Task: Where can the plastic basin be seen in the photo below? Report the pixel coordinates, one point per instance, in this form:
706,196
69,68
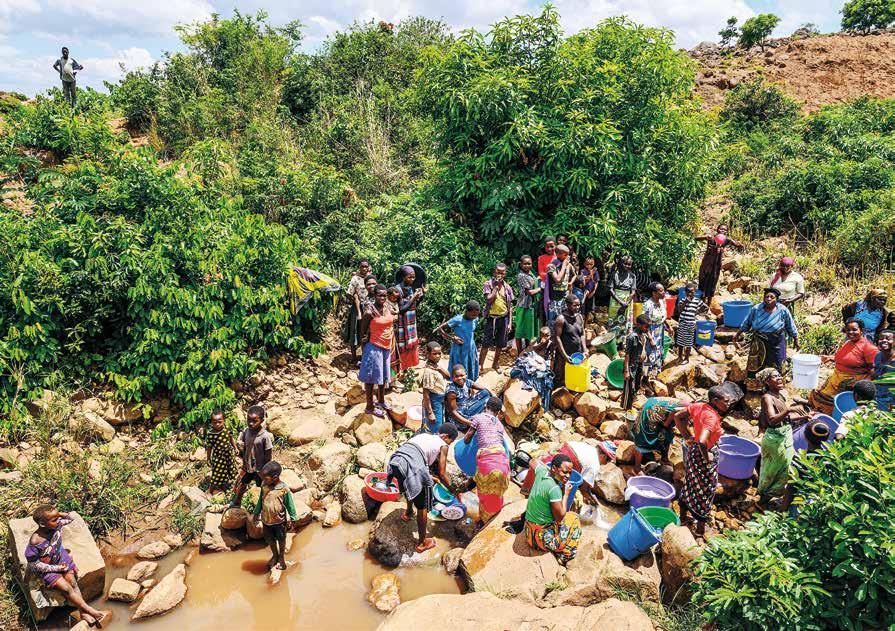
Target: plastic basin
805,371
615,373
798,436
649,491
639,530
659,517
576,359
737,457
735,312
465,453
705,333
442,494
380,496
842,403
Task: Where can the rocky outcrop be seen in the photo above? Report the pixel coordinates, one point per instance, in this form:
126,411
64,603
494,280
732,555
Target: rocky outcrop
329,463
384,592
518,403
166,595
679,549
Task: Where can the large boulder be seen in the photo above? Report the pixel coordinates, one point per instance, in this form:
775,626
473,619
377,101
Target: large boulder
78,541
610,484
356,505
294,481
494,382
708,375
592,408
112,412
518,403
678,377
714,353
234,518
307,429
393,540
679,549
372,456
618,615
91,425
215,538
616,430
503,563
562,399
329,463
154,550
166,595
738,366
370,428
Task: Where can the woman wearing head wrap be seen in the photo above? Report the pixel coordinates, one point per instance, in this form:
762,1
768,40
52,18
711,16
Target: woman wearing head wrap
789,283
853,362
775,420
657,314
871,311
710,268
769,323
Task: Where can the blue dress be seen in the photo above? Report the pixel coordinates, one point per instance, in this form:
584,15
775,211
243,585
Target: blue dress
468,404
465,353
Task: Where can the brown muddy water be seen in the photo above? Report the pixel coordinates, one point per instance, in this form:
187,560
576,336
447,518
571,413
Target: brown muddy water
327,587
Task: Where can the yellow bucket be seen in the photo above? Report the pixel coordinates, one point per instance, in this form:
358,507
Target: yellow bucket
638,309
578,377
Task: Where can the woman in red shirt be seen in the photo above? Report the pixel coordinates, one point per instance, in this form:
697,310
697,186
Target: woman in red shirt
854,362
378,333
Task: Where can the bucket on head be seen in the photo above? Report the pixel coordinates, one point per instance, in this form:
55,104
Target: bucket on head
798,436
842,403
632,536
670,302
615,373
737,457
575,479
805,371
644,490
705,333
578,377
735,312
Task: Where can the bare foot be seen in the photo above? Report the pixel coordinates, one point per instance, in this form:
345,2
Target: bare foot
271,562
406,515
427,544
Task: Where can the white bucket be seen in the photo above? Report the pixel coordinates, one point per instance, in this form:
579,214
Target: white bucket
805,371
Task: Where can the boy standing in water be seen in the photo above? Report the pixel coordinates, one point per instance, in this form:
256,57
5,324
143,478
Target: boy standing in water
276,508
255,445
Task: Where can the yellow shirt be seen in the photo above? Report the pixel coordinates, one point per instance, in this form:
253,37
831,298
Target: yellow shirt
498,307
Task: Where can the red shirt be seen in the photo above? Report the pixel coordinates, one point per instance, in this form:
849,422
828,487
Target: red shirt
382,329
543,261
856,358
704,416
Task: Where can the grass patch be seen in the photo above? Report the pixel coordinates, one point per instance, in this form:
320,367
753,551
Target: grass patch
671,618
185,523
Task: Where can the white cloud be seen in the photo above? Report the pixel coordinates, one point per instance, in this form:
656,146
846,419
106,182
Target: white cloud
99,69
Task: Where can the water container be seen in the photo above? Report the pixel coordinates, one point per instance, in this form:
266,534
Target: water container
737,457
575,480
659,517
578,377
644,490
639,530
465,453
682,293
705,333
638,309
735,312
805,371
842,403
798,436
615,373
670,301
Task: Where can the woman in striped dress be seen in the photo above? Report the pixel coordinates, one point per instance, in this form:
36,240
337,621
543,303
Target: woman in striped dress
685,312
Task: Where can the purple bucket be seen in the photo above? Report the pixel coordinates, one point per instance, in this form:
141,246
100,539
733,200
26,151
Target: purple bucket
798,436
644,490
737,457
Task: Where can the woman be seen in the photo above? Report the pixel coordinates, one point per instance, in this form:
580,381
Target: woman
568,332
377,329
871,311
463,399
655,311
701,455
407,340
770,323
357,295
853,362
883,366
622,284
543,261
654,431
548,525
789,283
492,463
775,420
710,268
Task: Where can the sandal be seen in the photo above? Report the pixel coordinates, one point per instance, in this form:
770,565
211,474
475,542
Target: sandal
377,412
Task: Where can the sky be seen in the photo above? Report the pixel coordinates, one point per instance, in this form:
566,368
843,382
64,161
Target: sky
104,34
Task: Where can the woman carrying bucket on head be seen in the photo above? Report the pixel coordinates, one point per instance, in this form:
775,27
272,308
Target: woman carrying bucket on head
775,420
710,268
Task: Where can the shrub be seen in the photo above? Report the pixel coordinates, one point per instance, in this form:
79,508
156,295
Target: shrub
729,32
137,96
756,30
757,105
867,240
822,339
866,15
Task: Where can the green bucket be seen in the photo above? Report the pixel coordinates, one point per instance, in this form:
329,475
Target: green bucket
658,516
615,373
666,345
609,349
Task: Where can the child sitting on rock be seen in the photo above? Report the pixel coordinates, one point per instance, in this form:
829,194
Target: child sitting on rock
255,446
276,508
49,560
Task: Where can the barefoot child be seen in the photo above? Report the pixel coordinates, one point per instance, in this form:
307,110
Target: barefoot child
498,315
221,454
356,295
434,385
526,320
255,446
276,508
685,312
462,338
411,466
48,559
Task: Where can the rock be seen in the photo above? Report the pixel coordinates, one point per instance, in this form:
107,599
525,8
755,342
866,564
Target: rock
562,399
518,403
372,456
9,457
356,395
91,425
738,368
141,571
500,562
303,512
82,626
610,484
384,592
713,353
618,615
196,497
84,551
710,375
371,428
294,481
307,430
166,595
39,406
199,455
112,412
329,463
174,540
494,382
148,584
234,518
216,539
154,550
679,549
676,458
392,540
124,590
678,377
592,408
450,560
333,515
624,451
616,430
10,477
254,529
354,500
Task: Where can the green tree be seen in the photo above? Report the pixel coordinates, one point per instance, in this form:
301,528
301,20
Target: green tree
757,104
757,29
730,32
866,15
596,136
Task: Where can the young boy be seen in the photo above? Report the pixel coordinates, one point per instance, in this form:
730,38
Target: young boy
411,466
255,446
498,315
276,508
49,559
635,357
433,381
526,313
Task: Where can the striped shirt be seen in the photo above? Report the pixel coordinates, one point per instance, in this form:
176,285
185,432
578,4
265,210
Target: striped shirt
777,321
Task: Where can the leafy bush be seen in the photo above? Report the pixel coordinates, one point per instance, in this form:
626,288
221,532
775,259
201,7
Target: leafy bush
757,29
866,15
137,96
833,565
822,339
756,104
729,32
867,241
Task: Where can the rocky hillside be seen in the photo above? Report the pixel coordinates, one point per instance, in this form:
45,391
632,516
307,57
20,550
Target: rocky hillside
814,70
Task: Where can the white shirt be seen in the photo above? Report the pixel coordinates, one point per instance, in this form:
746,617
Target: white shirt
589,457
791,287
430,444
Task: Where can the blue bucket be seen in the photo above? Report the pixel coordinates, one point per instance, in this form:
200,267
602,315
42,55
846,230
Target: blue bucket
737,457
632,536
682,293
735,312
575,480
842,403
576,359
798,436
885,395
705,333
465,453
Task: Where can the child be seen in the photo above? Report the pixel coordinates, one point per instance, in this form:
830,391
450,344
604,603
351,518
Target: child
685,313
276,508
498,315
49,559
356,294
544,345
255,446
378,331
434,385
370,283
864,391
462,338
591,279
636,347
579,288
220,449
526,318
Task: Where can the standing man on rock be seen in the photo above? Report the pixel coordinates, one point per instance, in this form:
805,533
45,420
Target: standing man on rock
67,68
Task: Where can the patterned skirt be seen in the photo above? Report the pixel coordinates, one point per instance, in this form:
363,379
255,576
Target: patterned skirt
561,539
700,480
492,478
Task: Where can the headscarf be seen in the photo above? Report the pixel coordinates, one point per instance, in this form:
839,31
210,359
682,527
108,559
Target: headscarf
787,260
407,270
765,375
771,290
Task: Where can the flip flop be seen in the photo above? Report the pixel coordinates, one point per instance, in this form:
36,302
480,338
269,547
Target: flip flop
405,516
427,544
377,412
